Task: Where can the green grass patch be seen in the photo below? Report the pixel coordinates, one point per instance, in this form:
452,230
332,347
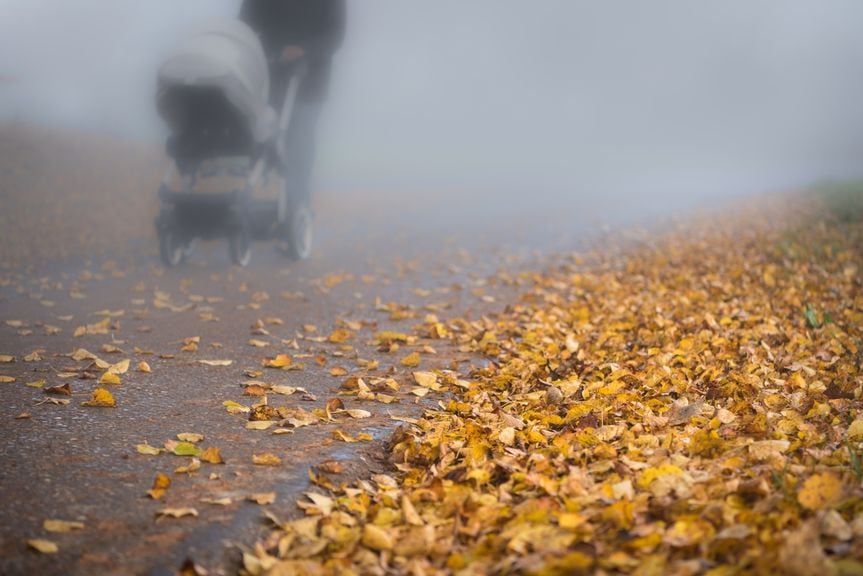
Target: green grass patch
843,200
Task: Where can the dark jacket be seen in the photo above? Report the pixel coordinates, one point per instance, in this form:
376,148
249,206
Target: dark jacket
317,26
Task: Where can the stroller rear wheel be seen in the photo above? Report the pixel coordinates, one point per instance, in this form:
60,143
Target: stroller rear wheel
297,231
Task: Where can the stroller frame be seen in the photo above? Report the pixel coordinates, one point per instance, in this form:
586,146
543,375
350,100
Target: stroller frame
232,211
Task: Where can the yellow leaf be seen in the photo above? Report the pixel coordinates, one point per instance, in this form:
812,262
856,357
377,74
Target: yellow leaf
280,361
61,526
377,538
101,398
160,485
820,491
176,512
648,475
148,450
235,408
6,358
260,424
262,498
266,459
120,367
190,437
339,335
192,466
43,546
216,362
426,379
109,378
6,379
144,367
212,455
412,360
855,430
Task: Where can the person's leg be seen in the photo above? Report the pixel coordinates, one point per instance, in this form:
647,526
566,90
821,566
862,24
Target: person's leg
300,149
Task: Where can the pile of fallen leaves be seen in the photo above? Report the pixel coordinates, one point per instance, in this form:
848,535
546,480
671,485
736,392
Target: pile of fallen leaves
688,406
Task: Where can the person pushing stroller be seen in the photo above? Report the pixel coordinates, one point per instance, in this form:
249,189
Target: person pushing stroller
298,34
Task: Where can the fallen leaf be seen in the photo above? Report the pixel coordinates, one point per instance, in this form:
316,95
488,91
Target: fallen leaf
109,378
101,399
212,455
43,546
182,448
377,538
61,526
331,467
60,390
262,498
216,362
120,367
820,491
160,485
193,466
144,367
235,408
280,361
176,513
148,450
266,459
190,437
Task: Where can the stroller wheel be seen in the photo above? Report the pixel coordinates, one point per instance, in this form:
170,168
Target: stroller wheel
240,248
298,233
172,249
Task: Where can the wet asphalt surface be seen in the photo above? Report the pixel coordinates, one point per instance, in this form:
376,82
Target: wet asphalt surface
77,463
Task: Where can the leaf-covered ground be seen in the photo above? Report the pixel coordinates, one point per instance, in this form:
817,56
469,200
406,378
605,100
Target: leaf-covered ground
688,405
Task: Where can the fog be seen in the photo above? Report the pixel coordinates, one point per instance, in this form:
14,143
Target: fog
670,101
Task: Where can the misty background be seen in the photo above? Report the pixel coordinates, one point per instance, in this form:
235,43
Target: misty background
659,104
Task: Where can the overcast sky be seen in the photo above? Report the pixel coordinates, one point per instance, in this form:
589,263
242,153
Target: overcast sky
698,97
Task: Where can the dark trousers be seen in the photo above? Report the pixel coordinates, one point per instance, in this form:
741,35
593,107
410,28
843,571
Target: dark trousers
299,136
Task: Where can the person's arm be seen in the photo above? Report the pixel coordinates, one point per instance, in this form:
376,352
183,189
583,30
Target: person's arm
328,39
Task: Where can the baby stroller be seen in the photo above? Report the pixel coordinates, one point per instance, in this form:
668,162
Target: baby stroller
226,150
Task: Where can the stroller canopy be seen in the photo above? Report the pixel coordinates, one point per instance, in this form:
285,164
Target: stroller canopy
228,57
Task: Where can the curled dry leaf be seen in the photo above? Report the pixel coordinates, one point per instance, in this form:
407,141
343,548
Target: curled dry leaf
212,455
61,526
60,390
43,546
262,498
216,362
266,459
190,437
148,450
160,485
144,367
280,361
331,467
176,513
120,367
192,466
